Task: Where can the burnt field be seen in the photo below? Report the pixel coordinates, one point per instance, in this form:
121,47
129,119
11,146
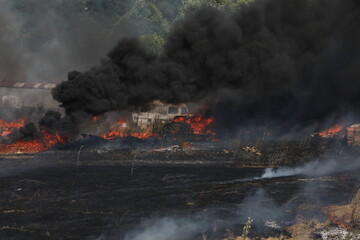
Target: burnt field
52,196
180,120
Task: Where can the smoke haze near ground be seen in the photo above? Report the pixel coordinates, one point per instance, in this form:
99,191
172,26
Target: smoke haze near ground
271,214
290,62
167,228
316,168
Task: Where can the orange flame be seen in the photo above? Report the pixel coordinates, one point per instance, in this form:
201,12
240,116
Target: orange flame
119,129
8,127
143,135
339,221
200,125
43,143
116,132
332,131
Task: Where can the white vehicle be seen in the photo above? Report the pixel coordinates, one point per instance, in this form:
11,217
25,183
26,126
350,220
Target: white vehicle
158,113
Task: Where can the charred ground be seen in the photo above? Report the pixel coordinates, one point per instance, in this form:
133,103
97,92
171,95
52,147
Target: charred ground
94,194
61,201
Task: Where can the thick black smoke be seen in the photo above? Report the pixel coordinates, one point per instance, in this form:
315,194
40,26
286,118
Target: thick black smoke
294,62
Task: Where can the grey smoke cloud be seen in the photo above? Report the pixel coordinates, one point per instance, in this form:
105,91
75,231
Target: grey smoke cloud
42,40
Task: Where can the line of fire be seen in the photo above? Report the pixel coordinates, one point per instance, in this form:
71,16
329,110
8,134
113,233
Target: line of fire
163,123
170,125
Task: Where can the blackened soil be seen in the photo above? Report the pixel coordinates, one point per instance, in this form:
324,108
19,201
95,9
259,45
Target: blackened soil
62,201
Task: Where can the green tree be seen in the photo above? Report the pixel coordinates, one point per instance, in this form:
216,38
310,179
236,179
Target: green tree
169,8
107,11
227,5
146,17
153,42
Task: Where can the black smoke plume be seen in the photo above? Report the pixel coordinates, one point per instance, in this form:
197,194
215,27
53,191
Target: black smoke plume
294,62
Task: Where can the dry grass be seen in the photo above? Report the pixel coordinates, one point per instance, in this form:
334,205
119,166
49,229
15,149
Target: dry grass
236,238
299,231
346,216
355,208
303,230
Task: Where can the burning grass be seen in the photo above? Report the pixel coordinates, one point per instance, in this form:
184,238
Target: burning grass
346,216
8,127
332,131
187,139
14,140
343,223
42,142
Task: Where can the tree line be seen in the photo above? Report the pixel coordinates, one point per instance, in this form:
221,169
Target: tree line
152,19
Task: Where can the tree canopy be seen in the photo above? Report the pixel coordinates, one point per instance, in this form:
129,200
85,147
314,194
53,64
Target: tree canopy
150,19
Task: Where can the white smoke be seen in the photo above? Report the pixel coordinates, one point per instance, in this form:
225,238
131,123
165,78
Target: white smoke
316,168
260,207
269,214
167,228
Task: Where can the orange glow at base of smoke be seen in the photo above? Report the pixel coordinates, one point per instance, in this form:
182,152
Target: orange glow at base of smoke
121,133
145,134
8,127
117,132
200,125
120,130
339,221
43,143
332,131
40,144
